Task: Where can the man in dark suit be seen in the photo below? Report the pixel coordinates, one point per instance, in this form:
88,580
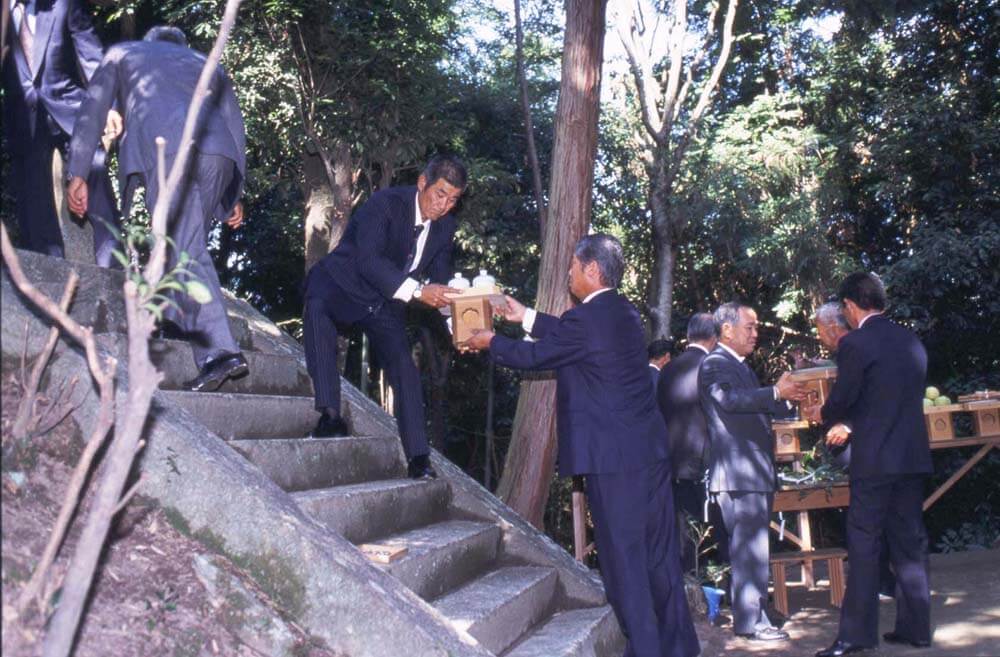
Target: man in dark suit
53,52
154,80
400,237
687,434
877,401
741,462
611,431
658,353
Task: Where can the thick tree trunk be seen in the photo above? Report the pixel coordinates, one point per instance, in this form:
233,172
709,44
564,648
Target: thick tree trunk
328,191
531,457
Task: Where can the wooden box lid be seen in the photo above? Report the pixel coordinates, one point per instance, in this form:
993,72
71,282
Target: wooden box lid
815,373
947,408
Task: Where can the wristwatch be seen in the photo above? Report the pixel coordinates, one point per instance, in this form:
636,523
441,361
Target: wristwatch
417,292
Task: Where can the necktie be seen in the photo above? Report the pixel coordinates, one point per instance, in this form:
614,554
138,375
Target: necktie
25,35
413,247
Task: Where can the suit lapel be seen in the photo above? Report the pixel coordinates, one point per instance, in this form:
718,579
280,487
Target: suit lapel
43,31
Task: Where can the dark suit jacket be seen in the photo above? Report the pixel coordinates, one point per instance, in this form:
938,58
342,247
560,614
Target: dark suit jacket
687,431
154,83
607,416
368,264
66,54
738,411
881,373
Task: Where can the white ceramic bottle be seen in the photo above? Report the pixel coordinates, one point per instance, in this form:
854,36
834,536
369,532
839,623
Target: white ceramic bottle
459,282
484,280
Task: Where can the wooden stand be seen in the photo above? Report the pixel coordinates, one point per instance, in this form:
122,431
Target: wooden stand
985,416
819,381
834,558
786,436
938,419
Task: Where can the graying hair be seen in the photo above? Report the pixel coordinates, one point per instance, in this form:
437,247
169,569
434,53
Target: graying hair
727,313
831,313
607,252
701,327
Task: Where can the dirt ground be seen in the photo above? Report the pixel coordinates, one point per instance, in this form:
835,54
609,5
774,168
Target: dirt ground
158,591
965,614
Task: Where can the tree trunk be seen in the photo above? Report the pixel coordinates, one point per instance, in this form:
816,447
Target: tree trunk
531,457
327,189
661,283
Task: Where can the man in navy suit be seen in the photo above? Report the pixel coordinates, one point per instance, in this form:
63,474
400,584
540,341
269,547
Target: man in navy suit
398,238
877,402
154,80
741,461
53,53
687,434
658,352
611,431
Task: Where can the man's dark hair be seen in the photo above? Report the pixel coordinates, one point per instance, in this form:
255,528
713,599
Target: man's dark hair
607,252
701,328
448,167
864,289
167,33
727,313
659,348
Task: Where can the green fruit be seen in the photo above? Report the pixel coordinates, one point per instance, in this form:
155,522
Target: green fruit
928,402
942,401
932,393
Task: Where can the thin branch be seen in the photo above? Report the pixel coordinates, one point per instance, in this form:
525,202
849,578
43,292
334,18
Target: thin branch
643,76
30,386
529,129
677,35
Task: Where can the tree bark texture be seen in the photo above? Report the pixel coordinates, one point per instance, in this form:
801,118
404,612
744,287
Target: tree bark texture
328,191
531,457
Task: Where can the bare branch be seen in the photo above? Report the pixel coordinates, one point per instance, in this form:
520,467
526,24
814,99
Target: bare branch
642,73
670,95
30,386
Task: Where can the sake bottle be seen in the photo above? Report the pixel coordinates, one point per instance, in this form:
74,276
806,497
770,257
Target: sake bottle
484,280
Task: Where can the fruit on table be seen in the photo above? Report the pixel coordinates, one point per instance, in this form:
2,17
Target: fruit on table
932,393
943,400
928,402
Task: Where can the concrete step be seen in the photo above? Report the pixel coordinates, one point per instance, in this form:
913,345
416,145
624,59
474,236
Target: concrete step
444,555
298,464
502,605
238,415
270,374
370,510
590,632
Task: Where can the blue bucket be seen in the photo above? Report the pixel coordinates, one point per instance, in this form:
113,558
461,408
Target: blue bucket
713,597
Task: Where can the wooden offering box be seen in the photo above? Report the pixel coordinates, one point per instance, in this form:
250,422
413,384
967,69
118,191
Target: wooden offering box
827,495
471,310
819,380
938,419
985,416
786,436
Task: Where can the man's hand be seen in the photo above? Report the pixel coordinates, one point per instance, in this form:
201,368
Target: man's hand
813,413
480,340
235,220
837,435
113,127
789,389
433,295
76,195
511,310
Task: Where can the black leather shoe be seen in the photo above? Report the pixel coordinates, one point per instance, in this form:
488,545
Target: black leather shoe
420,468
894,637
217,371
330,427
766,634
840,648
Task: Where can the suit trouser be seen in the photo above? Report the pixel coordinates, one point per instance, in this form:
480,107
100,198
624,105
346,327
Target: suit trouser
189,222
891,506
386,329
637,546
747,517
37,215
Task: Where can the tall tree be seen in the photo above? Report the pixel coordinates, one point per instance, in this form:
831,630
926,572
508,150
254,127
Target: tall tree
674,86
531,457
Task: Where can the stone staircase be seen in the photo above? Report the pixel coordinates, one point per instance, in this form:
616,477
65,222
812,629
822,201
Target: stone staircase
495,584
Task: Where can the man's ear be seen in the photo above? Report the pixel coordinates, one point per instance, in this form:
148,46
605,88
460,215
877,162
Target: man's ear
421,182
593,270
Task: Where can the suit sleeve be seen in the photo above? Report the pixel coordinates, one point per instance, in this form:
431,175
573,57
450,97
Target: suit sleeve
372,241
544,323
230,109
847,387
563,345
88,47
720,381
91,117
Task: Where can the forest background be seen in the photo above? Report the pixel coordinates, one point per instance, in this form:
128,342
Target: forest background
841,135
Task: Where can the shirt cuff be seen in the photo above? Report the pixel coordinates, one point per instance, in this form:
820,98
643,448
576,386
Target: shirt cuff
528,322
405,291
